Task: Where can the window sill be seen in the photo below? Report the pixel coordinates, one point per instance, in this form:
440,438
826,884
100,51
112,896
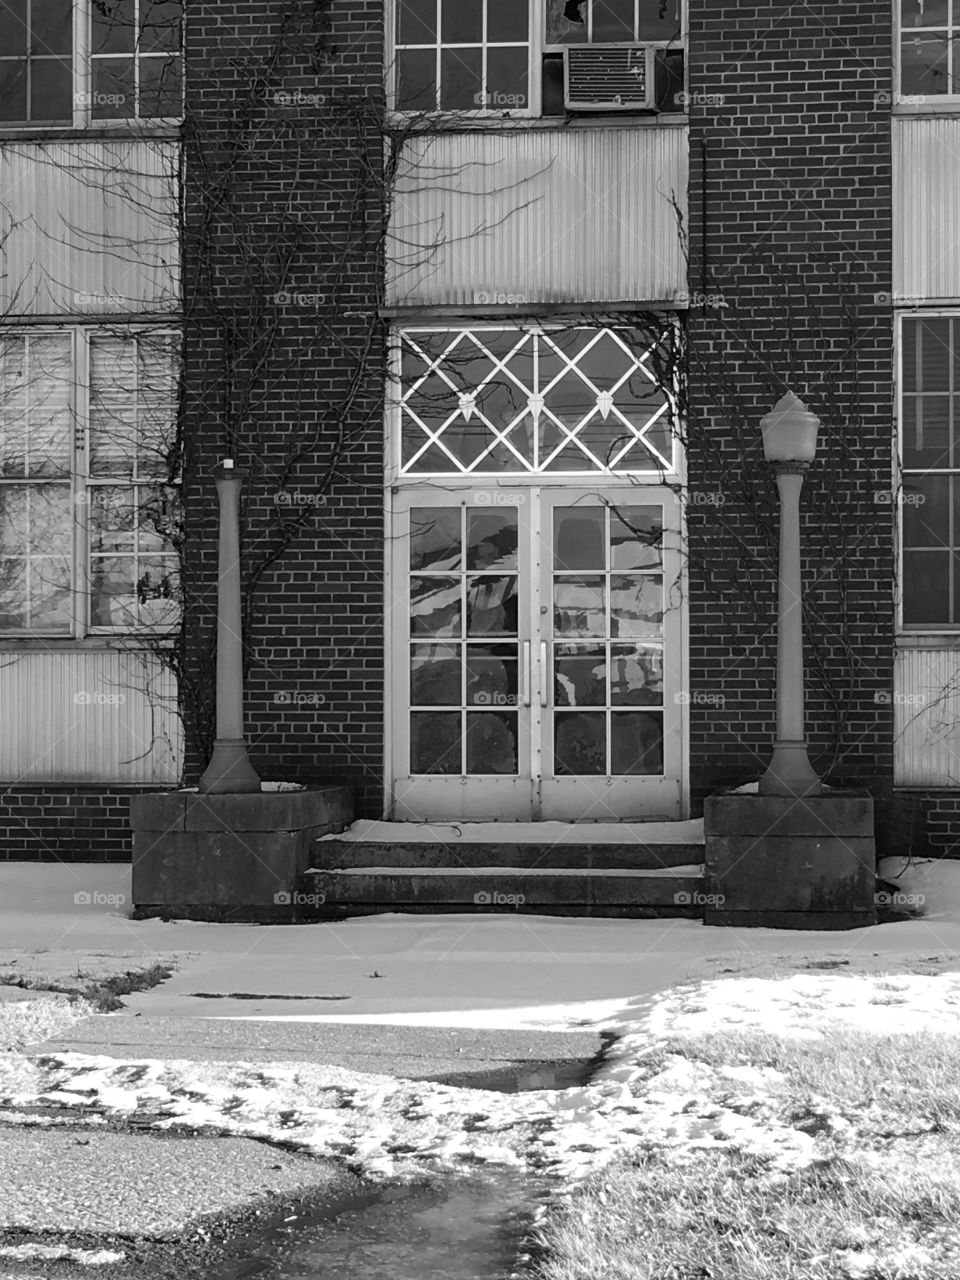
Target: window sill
928,640
944,107
103,643
116,132
552,312
500,124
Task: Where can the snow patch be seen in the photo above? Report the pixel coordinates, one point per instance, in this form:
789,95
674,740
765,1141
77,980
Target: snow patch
688,832
638,1100
501,873
60,1253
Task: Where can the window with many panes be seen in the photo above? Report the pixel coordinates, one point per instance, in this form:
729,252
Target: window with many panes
79,62
930,468
88,513
929,32
505,57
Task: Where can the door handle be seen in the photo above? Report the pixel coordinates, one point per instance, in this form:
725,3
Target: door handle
543,673
525,675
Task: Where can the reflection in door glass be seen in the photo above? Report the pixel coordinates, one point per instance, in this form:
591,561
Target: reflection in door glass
491,539
580,675
580,742
636,537
578,606
435,606
636,674
636,741
492,606
579,538
492,675
623,664
434,742
636,605
435,538
435,675
492,742
474,672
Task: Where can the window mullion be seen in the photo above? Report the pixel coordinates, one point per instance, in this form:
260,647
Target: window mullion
136,59
82,491
82,71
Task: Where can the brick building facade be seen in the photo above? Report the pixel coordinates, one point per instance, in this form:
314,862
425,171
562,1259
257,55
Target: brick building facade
419,300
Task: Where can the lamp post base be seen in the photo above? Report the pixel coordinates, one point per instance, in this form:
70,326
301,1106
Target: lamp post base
229,769
789,772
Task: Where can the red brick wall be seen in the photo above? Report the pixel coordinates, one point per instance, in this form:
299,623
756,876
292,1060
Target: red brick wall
282,161
791,242
47,823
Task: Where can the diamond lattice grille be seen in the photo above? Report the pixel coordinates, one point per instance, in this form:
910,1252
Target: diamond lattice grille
507,401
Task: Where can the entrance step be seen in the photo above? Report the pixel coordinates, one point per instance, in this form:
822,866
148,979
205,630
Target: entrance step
570,846
500,887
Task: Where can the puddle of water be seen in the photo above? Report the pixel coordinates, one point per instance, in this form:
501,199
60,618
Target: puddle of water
461,1229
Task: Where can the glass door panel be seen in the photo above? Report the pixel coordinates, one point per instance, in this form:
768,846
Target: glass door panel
464,742
536,651
611,733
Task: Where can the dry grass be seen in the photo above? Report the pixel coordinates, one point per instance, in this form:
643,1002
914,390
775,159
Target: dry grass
58,1005
895,1083
103,993
885,1207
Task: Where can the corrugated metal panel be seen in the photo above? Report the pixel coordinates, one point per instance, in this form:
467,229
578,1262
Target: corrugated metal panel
927,718
926,208
90,227
538,216
88,716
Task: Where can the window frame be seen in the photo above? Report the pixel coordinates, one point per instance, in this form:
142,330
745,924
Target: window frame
905,629
538,46
392,47
558,47
82,79
397,474
906,102
81,483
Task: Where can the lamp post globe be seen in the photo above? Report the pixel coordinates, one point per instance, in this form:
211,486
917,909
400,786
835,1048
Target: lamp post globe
789,433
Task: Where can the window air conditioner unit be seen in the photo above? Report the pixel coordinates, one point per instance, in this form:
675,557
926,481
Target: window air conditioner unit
608,77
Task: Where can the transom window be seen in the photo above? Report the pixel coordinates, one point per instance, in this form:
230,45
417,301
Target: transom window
505,57
497,400
120,60
930,461
928,47
88,515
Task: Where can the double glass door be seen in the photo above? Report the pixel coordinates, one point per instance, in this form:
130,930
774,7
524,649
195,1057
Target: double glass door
537,649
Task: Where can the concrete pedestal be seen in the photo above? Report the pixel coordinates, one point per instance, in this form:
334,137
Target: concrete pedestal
230,857
783,862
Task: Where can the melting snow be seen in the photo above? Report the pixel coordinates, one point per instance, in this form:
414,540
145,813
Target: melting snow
388,1128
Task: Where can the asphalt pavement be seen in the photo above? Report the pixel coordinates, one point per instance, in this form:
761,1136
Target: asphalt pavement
490,1057
143,1185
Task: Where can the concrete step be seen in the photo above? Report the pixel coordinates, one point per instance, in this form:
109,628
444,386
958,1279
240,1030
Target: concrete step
582,846
328,854
328,893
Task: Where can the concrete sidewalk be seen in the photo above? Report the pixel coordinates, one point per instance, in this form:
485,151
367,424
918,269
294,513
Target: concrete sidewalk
452,1055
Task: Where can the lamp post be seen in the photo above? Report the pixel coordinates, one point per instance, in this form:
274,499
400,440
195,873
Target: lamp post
229,769
790,445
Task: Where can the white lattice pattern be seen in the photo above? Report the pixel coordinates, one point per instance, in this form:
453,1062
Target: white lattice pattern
497,400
